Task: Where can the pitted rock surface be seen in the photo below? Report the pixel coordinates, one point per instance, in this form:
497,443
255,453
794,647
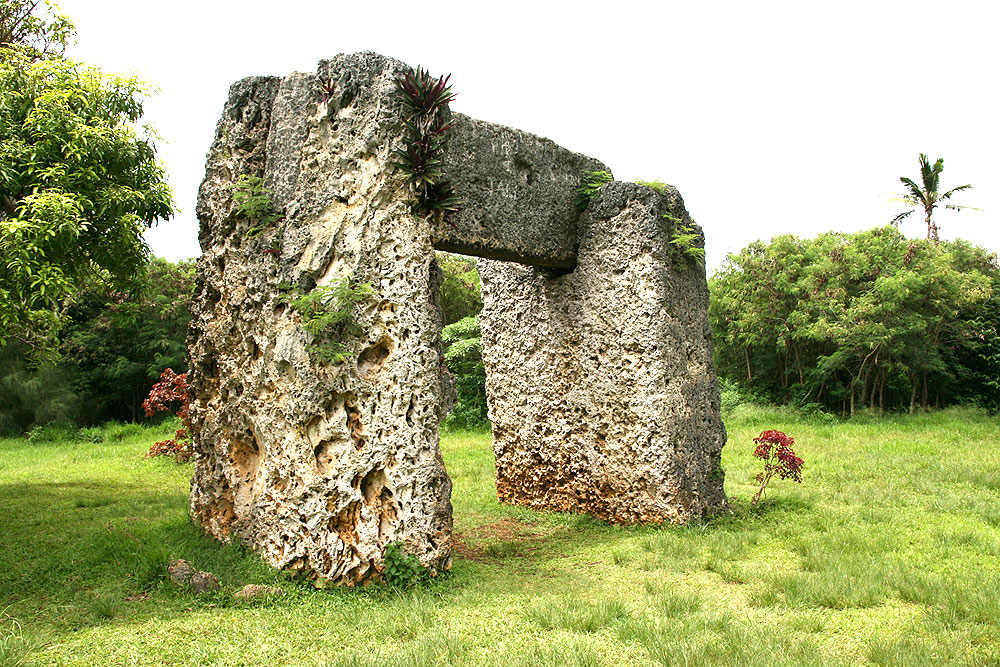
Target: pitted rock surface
319,465
519,195
601,387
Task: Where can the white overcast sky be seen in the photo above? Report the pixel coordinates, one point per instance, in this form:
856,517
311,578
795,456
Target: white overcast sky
770,117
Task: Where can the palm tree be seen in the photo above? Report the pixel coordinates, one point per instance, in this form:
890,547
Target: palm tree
928,197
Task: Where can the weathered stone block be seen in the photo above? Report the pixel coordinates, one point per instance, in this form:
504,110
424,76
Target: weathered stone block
318,465
601,387
519,195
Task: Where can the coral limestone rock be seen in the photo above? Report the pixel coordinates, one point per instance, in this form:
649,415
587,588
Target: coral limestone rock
317,443
519,195
601,387
318,465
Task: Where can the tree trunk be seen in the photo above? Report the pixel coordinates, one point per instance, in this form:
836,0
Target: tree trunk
864,388
798,365
923,397
746,355
913,394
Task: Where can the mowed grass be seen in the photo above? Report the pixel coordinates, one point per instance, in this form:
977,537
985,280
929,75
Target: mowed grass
888,554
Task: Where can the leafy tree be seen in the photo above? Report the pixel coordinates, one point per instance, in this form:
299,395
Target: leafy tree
463,352
31,396
460,290
35,27
115,345
79,183
461,301
928,196
846,320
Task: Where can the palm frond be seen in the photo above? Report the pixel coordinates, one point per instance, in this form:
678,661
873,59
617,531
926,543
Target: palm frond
930,175
915,190
953,191
899,218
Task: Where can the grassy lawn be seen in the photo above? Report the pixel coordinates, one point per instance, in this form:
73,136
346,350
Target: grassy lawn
888,554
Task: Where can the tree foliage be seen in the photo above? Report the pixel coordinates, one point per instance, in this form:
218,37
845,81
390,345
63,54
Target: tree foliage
31,396
847,320
463,353
113,346
35,27
461,301
460,289
79,184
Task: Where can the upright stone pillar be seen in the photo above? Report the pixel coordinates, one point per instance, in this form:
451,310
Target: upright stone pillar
601,387
318,465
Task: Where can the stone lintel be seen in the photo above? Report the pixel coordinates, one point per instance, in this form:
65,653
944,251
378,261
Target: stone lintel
519,195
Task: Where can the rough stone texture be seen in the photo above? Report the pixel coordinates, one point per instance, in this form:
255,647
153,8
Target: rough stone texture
204,582
318,466
180,571
519,195
601,387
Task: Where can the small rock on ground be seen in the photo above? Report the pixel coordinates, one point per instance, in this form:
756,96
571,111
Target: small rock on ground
180,571
204,581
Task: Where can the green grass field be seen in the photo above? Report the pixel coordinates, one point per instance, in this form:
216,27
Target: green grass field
888,554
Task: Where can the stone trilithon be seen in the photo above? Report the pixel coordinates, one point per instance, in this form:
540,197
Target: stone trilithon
600,381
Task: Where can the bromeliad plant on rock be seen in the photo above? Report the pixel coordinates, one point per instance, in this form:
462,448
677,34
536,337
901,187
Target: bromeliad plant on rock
424,139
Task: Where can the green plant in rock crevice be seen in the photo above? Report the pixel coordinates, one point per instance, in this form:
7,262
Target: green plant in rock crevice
253,202
591,186
684,236
328,314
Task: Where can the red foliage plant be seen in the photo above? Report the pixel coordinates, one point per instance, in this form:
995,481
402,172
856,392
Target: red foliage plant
169,393
774,448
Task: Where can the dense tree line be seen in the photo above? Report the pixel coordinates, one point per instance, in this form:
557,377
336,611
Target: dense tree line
871,319
111,349
843,322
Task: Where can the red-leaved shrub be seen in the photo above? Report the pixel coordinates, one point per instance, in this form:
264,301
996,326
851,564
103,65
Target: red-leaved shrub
171,393
774,448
